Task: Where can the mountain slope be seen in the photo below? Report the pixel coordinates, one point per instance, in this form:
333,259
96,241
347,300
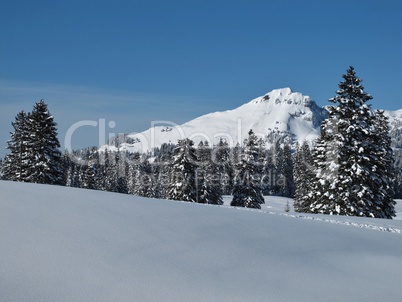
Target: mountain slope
63,244
280,113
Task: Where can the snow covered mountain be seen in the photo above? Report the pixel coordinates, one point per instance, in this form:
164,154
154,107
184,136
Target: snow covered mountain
280,113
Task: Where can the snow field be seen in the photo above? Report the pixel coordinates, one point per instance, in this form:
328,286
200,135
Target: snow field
66,244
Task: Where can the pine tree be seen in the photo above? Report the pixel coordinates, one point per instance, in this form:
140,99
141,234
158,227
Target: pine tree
16,163
101,175
345,155
398,183
203,154
43,147
287,183
1,169
303,175
70,175
383,170
182,183
132,168
277,169
207,178
87,177
164,178
144,185
247,188
121,166
111,171
221,158
34,148
267,172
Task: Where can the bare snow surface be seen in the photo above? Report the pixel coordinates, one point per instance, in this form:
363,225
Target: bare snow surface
64,244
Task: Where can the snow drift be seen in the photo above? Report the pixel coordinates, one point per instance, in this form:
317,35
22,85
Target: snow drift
65,244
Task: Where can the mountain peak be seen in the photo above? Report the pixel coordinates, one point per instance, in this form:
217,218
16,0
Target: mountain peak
278,115
283,91
283,96
274,94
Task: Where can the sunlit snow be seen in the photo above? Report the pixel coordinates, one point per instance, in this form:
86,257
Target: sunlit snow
66,244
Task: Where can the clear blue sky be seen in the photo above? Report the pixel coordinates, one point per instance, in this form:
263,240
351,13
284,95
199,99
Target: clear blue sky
133,61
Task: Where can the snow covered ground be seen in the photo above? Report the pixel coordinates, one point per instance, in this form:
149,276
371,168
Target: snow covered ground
65,244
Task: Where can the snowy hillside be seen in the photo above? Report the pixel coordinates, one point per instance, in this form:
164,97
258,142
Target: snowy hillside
279,113
63,244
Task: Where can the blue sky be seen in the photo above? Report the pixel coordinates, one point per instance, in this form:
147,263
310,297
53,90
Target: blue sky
133,62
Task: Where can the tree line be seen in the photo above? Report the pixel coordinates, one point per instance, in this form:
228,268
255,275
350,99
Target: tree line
349,170
186,172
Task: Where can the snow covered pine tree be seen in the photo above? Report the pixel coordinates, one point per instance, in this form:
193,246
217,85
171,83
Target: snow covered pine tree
208,180
348,157
16,162
182,182
43,147
247,190
303,175
384,172
34,155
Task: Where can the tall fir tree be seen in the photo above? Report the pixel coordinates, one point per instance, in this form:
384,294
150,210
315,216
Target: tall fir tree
345,155
247,188
43,147
34,148
182,183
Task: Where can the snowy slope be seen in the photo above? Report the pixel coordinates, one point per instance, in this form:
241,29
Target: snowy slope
63,244
280,112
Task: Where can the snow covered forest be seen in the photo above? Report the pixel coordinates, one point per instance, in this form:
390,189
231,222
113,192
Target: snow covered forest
350,170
